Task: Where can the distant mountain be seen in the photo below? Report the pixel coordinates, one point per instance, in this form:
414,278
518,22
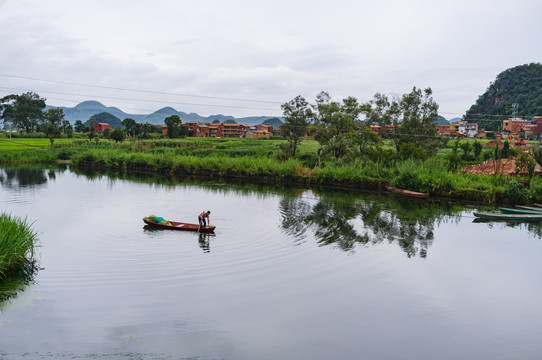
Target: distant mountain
455,119
85,110
516,91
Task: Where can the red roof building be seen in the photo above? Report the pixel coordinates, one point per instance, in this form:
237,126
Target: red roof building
99,128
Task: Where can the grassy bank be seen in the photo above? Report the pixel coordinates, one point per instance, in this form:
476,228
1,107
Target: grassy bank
263,160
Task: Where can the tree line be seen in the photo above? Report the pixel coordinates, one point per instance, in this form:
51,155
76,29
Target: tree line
26,112
340,129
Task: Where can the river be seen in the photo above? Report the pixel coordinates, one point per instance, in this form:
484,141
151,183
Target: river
290,273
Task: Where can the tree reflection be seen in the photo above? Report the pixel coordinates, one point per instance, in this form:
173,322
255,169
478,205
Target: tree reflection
25,177
340,220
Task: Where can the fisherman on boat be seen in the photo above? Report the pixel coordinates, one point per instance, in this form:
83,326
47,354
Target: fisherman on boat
202,217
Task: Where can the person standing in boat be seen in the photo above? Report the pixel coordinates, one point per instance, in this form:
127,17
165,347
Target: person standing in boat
201,218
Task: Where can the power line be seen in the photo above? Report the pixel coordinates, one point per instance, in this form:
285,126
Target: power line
138,90
142,100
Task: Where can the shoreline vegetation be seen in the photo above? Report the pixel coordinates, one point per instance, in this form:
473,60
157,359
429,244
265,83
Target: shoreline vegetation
442,175
17,256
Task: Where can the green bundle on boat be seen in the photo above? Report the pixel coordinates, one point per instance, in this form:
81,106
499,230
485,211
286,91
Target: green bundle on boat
157,220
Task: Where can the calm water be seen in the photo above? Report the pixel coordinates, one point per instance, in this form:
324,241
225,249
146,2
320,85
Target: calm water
289,274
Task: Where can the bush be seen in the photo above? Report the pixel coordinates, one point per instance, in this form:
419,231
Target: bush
515,192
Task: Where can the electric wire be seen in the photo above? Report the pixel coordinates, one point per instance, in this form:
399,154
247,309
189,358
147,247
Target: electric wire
139,90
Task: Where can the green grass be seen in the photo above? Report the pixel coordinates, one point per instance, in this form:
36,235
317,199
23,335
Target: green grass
17,241
263,160
29,143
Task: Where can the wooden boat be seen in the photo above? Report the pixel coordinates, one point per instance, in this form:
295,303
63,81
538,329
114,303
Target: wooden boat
532,208
174,225
407,193
507,217
520,211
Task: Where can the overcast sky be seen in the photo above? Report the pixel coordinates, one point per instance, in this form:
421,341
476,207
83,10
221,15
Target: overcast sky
242,58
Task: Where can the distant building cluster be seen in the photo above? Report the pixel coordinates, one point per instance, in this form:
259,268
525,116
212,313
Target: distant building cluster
227,130
217,130
459,129
528,129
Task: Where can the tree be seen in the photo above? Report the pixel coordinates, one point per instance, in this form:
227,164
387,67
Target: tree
23,110
173,123
79,126
409,119
336,124
366,137
296,120
54,117
118,135
130,126
53,121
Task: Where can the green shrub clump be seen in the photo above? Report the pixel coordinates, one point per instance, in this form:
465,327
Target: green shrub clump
515,193
17,240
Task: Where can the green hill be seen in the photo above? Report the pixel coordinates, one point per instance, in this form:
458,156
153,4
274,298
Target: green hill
275,122
521,85
105,117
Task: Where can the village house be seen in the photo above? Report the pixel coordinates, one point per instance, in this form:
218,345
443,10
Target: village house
99,128
514,126
470,129
458,128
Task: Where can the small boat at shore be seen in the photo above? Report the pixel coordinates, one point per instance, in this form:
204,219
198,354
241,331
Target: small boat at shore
508,217
521,210
531,208
175,225
406,193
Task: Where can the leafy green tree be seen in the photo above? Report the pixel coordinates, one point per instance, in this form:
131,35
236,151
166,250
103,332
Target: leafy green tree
478,147
24,110
118,135
173,123
409,119
366,137
79,127
130,126
297,114
454,159
54,117
466,148
336,124
106,133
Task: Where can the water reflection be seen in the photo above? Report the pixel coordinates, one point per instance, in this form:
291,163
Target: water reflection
204,239
339,219
26,177
15,281
205,242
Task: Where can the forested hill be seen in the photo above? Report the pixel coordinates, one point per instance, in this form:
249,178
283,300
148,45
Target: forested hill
521,85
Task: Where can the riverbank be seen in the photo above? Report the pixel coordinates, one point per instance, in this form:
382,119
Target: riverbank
262,160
